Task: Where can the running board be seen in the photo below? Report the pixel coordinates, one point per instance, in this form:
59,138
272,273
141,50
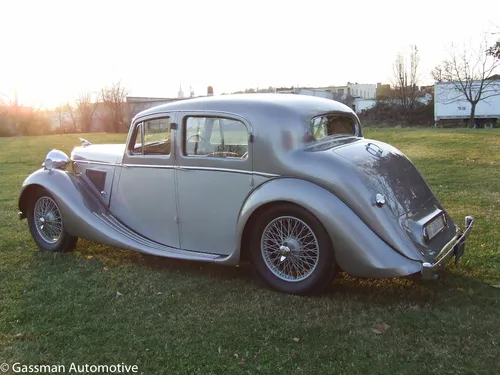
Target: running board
122,236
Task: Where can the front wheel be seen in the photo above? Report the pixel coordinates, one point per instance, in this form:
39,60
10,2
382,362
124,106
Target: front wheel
46,224
291,251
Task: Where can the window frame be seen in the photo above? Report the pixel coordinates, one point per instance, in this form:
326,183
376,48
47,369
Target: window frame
141,125
356,124
133,140
187,116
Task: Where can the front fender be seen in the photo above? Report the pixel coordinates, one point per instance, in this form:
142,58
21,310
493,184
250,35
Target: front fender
85,215
74,198
358,250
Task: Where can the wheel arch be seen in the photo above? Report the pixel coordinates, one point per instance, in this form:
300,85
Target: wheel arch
357,249
24,198
250,223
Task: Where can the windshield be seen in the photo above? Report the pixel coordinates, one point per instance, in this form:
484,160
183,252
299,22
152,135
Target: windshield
331,125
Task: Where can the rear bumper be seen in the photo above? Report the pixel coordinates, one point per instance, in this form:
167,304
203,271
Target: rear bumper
455,247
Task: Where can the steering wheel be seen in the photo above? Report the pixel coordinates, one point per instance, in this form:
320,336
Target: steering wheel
224,153
244,155
199,138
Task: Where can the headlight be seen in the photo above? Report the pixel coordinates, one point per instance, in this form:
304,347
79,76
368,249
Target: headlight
56,159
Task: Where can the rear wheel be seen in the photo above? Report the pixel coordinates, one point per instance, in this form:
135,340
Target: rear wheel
291,251
488,124
46,224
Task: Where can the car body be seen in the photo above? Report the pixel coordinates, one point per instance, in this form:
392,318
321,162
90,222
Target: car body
285,181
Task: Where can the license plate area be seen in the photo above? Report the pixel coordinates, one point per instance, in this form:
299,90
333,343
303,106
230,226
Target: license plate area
434,226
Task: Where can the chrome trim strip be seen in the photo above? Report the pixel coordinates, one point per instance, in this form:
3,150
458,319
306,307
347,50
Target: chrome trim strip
217,169
196,168
92,162
263,174
155,166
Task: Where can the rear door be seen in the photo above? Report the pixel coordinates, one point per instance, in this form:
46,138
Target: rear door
214,177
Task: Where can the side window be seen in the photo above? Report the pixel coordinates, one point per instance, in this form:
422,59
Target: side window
157,137
215,137
324,126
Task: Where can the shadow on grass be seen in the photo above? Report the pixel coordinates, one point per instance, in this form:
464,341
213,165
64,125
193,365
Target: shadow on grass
454,285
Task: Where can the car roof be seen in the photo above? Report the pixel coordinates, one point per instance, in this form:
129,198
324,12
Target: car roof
248,105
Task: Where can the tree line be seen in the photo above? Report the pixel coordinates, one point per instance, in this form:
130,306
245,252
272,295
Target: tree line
106,110
469,70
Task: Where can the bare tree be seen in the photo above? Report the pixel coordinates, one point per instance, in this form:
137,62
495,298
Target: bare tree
406,79
346,99
468,72
66,117
113,98
86,108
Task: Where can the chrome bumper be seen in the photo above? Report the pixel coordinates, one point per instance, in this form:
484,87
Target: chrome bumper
455,247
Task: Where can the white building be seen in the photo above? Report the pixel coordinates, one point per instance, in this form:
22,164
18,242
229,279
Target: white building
359,104
322,93
356,90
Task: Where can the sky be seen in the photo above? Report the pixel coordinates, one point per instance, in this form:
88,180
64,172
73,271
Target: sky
51,51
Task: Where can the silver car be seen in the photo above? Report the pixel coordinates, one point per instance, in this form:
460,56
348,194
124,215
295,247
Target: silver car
287,182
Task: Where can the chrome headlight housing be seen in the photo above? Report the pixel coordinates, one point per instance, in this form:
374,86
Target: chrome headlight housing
56,159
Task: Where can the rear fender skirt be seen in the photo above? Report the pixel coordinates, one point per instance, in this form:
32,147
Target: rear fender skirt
358,250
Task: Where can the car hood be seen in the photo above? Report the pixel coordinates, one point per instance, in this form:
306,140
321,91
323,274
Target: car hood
107,153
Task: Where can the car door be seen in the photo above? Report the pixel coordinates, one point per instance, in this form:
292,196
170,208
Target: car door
214,177
144,198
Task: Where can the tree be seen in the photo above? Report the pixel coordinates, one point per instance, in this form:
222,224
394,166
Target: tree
86,109
405,82
346,99
67,119
495,50
113,98
469,73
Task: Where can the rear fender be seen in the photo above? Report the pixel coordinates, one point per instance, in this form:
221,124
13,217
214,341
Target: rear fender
358,250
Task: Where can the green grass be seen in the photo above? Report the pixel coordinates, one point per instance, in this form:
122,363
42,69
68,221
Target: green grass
179,317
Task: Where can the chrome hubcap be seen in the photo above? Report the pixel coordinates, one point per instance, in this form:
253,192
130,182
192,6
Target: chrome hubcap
48,220
289,248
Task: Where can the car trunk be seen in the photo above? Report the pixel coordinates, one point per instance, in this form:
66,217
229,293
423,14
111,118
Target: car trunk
388,172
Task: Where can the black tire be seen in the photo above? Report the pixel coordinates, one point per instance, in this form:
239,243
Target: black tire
64,242
325,266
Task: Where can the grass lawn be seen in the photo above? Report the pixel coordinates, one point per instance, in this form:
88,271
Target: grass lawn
102,305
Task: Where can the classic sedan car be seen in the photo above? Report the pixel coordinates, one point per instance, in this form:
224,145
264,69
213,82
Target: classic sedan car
287,182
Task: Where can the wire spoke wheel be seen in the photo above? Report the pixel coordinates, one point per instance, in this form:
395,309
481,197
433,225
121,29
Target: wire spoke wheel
47,219
289,248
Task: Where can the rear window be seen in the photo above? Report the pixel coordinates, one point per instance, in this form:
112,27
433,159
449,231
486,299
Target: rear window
331,125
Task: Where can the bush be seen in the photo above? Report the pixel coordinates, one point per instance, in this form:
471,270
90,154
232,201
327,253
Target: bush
22,121
392,114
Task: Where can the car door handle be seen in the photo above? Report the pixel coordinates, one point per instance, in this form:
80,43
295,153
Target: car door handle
180,168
